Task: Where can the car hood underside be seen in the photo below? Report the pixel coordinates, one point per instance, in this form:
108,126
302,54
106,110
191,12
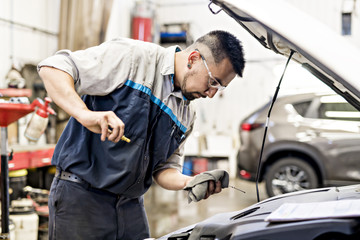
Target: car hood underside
284,29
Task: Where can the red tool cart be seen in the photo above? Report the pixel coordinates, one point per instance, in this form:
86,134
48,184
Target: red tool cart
9,113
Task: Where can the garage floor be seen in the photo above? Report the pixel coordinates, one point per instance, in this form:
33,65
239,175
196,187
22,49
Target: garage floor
169,210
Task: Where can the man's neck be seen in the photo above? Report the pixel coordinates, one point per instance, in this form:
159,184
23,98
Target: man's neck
178,69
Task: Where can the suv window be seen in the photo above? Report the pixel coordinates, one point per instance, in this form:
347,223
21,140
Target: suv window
338,111
302,107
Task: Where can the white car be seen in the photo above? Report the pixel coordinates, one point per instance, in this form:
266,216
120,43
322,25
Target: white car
319,214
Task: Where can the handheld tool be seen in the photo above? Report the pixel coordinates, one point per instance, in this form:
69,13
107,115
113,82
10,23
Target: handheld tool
123,138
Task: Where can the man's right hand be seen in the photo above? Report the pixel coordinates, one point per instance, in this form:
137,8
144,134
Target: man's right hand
106,123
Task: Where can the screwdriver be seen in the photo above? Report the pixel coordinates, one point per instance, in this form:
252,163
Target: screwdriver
123,138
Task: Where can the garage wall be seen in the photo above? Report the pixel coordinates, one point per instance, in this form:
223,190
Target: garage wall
330,11
28,32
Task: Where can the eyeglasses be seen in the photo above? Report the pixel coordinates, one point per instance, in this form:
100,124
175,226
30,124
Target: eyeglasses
212,81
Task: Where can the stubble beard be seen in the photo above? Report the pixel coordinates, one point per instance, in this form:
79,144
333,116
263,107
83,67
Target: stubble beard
188,95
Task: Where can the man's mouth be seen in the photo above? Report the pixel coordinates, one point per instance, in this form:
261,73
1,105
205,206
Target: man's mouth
194,95
199,95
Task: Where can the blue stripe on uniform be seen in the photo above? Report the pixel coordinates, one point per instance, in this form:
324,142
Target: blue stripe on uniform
157,101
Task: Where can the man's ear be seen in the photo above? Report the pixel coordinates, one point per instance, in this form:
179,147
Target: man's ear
193,57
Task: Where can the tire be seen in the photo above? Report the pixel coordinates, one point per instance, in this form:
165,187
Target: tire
289,174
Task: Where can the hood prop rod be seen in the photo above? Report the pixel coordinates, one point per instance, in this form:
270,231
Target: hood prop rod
267,125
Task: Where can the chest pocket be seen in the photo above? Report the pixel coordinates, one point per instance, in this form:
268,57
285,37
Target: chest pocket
131,106
136,116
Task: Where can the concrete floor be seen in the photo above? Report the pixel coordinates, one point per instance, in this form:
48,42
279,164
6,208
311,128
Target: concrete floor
169,210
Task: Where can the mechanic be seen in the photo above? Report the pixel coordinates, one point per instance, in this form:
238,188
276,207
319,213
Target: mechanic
136,89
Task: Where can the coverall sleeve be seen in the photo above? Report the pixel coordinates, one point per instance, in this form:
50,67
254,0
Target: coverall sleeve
96,70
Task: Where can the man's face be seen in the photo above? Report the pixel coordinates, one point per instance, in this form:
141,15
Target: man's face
196,81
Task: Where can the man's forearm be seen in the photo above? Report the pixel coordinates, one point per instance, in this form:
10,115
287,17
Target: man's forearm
172,179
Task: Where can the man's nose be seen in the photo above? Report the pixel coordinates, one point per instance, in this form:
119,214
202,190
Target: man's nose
211,92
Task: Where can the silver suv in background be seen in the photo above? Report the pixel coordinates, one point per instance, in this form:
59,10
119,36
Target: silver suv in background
313,140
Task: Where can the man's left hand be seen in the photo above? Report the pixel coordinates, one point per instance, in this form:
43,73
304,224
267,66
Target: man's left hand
207,183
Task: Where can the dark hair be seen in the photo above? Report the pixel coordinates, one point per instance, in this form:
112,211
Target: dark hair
223,44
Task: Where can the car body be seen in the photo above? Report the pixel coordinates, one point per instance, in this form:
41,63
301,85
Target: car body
334,61
312,140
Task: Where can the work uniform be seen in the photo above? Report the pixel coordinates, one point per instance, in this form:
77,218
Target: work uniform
134,79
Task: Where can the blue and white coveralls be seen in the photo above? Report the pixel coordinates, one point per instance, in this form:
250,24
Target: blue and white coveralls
134,79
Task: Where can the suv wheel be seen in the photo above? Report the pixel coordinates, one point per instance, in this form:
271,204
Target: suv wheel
289,175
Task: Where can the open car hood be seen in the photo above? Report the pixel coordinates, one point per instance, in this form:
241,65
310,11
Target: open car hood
282,28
